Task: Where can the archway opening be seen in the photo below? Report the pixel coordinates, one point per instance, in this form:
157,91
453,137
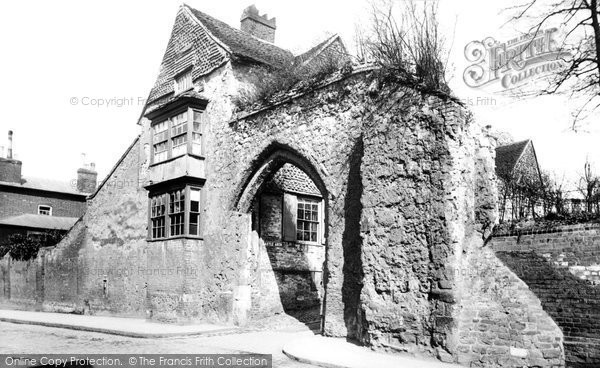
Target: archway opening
287,200
288,215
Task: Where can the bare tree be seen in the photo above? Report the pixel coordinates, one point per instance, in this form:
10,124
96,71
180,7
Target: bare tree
589,187
581,46
555,194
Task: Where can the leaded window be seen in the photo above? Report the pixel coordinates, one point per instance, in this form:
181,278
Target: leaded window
175,213
179,135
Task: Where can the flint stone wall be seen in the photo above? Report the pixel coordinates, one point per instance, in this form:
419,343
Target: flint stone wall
409,193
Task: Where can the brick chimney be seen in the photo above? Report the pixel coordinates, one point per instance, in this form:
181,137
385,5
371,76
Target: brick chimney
258,25
87,178
10,169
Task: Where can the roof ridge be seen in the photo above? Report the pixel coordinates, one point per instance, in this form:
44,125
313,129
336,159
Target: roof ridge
320,43
223,43
515,143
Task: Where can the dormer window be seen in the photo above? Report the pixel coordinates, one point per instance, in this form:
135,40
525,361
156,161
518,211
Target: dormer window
183,81
45,210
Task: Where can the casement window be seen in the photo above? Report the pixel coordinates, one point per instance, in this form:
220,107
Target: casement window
158,205
160,141
194,228
183,81
175,213
45,210
179,135
303,219
196,134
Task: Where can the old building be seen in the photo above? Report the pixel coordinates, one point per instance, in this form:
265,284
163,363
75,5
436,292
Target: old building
364,200
520,190
33,205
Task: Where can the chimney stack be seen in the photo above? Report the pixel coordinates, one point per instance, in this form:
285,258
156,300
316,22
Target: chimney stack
10,145
10,169
258,25
87,178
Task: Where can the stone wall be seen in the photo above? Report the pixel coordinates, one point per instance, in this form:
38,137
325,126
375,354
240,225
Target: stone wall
560,266
408,196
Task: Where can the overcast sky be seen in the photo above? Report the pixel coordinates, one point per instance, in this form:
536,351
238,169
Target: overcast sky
60,56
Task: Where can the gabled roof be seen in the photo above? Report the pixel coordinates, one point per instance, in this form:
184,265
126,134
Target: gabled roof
244,44
307,56
47,185
40,222
508,156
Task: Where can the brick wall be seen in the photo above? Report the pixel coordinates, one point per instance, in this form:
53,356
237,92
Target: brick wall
19,202
560,266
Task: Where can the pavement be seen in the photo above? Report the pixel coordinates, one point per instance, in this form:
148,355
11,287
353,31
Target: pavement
131,327
300,345
338,353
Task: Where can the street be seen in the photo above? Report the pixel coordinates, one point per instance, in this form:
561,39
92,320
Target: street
31,339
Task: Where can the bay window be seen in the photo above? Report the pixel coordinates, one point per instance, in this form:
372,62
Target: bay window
175,213
176,136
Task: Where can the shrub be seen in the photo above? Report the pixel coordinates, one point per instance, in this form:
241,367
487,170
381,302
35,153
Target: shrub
23,247
406,44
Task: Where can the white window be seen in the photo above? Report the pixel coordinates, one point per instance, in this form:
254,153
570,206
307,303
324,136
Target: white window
179,134
45,210
197,134
183,82
303,219
307,223
160,142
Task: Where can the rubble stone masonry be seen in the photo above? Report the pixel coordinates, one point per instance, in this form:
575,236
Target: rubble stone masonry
408,186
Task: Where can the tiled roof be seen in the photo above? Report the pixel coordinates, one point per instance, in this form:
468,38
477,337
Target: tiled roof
243,44
508,156
40,222
68,187
308,55
290,178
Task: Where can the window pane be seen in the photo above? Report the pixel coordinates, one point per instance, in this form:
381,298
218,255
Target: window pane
197,115
194,218
194,200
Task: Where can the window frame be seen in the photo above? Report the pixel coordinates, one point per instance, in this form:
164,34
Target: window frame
320,223
194,127
167,214
47,206
184,75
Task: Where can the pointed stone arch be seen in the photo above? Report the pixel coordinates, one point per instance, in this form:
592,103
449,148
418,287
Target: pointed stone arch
266,164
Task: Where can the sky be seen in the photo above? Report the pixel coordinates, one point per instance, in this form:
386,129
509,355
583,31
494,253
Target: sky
75,74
